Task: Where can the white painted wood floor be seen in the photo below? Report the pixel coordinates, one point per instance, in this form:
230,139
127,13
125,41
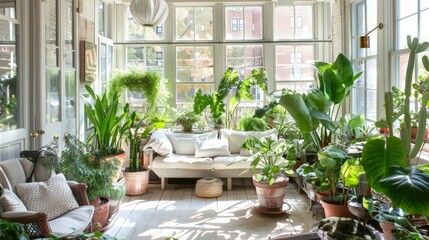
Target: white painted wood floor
177,212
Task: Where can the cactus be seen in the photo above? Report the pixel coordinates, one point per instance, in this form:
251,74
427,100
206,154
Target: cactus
405,133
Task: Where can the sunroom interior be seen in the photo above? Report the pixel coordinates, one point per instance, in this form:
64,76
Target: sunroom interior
51,50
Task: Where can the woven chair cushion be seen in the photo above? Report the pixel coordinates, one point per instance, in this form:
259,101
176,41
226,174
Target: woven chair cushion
11,202
53,197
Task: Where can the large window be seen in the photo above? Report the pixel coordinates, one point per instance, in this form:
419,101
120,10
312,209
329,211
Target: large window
364,93
243,23
9,105
411,18
201,40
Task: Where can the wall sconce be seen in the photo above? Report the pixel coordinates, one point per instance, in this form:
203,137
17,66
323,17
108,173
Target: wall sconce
364,40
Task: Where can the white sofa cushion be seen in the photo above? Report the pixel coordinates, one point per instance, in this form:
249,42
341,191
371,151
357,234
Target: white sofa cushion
237,138
74,221
236,162
211,148
184,143
53,197
160,143
11,202
177,161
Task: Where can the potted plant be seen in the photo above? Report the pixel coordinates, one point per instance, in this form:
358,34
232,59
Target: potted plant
187,120
150,83
339,168
159,118
136,176
107,121
12,231
387,162
78,163
270,183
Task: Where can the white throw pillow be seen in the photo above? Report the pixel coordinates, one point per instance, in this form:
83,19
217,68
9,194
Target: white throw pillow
53,197
160,143
184,143
237,138
11,202
211,148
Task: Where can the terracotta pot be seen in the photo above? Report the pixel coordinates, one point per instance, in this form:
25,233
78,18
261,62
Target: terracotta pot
335,210
121,157
385,131
320,195
101,213
387,228
298,162
271,198
414,134
136,183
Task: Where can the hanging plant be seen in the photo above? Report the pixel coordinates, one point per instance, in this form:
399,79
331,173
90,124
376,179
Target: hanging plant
147,82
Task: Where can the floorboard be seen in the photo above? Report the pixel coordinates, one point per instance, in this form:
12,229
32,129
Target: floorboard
178,212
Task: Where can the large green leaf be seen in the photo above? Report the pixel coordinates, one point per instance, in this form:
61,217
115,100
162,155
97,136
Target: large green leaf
408,188
344,70
350,171
295,105
334,88
378,156
318,101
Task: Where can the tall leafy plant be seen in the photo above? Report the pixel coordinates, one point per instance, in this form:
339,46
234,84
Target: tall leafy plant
387,162
107,122
316,111
217,102
134,138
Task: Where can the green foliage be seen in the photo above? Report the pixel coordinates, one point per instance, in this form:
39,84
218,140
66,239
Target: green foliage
12,231
148,82
188,119
107,121
89,167
230,80
252,124
134,138
268,154
8,104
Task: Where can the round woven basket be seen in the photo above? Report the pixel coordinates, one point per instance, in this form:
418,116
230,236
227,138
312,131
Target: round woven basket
208,187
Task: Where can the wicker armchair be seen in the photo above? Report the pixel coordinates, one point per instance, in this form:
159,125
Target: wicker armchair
36,224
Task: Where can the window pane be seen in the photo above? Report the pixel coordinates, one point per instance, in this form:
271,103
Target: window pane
300,87
101,17
194,64
359,101
244,58
243,23
69,36
424,33
194,23
293,22
70,92
371,103
407,26
8,9
138,32
400,67
51,43
53,96
234,23
146,57
371,74
8,88
293,62
304,21
103,66
405,8
253,22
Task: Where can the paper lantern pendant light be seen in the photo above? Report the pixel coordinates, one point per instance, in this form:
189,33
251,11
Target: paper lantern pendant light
149,13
